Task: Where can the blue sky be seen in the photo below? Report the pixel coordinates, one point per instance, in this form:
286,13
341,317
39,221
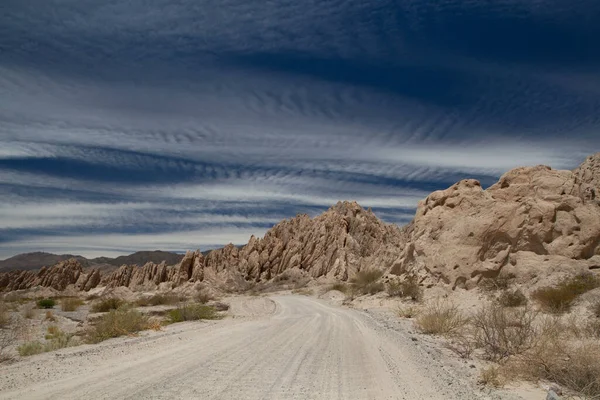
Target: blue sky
189,124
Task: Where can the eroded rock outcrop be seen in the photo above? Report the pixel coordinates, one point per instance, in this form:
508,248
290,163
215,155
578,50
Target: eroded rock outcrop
531,217
59,277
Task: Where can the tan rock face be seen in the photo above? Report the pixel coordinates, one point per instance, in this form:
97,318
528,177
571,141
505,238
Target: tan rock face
464,233
58,277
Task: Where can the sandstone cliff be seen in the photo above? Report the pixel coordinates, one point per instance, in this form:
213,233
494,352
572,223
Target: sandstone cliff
533,221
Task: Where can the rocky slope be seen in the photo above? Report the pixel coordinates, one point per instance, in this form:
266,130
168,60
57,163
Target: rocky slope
534,222
59,277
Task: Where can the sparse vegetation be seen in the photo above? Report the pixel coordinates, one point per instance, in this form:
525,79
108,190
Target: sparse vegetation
502,332
303,292
491,376
560,298
159,299
50,316
119,322
512,298
105,305
192,312
501,282
340,287
46,303
367,282
595,308
409,287
407,311
440,317
28,311
70,303
203,296
55,339
4,315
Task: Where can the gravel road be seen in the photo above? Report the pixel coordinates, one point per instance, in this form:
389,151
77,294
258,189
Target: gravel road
285,347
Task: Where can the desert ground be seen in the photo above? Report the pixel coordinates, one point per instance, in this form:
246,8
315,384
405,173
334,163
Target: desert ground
275,347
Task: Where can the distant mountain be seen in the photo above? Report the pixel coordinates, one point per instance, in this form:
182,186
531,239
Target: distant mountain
140,258
37,260
29,261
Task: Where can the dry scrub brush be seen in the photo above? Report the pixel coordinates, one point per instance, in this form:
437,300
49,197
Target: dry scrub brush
560,298
503,332
440,317
367,281
192,312
120,322
106,305
409,287
70,303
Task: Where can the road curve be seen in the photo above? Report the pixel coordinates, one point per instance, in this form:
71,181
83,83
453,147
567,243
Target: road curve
305,349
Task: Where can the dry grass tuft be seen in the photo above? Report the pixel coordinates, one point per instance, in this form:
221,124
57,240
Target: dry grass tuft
70,303
501,282
204,296
120,322
4,314
491,376
106,305
440,318
192,312
50,316
560,298
409,287
367,282
55,339
340,287
159,299
595,308
512,298
407,311
28,311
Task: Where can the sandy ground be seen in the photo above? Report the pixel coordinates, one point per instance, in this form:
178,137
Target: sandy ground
281,347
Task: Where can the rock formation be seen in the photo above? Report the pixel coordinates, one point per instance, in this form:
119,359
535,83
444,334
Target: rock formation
534,222
532,219
59,276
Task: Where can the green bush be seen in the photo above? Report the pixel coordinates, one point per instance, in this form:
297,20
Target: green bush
46,303
512,298
192,312
30,348
108,304
120,322
560,298
367,282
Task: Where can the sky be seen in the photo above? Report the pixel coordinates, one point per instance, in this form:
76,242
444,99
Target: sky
185,124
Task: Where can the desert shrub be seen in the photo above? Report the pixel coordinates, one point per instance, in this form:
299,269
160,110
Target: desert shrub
367,282
408,288
340,287
158,300
55,339
220,306
28,311
50,316
491,376
303,292
192,312
501,282
440,318
30,348
560,298
8,337
572,364
119,322
203,296
46,303
105,305
595,308
4,315
70,303
502,332
512,298
462,343
407,311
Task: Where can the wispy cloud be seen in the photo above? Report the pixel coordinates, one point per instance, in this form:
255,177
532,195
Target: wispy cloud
142,125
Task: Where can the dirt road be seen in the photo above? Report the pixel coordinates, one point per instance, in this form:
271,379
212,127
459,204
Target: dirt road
301,349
